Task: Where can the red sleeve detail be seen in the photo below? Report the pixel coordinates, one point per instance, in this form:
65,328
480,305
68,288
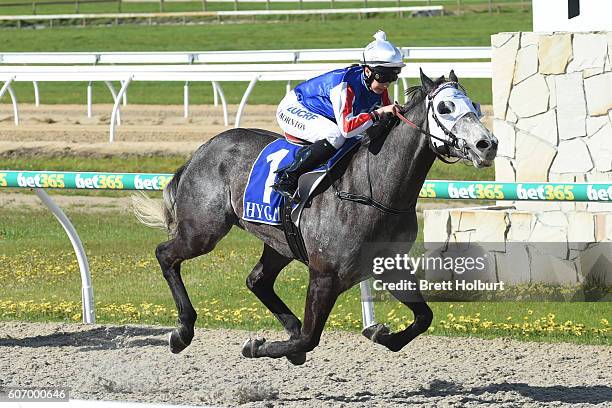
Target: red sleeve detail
385,98
350,123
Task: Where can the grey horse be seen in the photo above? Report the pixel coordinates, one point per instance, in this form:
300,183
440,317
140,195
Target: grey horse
205,199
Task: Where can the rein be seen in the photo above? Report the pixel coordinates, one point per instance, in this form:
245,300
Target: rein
369,200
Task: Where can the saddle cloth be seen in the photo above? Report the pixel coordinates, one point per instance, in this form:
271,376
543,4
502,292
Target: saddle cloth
261,204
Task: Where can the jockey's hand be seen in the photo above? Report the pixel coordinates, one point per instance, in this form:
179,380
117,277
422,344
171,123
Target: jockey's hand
386,109
384,112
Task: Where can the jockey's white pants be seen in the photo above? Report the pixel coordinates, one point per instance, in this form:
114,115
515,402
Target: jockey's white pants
297,121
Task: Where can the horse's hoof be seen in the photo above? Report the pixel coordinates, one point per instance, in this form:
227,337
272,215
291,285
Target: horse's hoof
376,332
176,342
297,358
250,346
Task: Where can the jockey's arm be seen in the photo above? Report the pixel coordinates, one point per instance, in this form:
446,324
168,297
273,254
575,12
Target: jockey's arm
352,125
342,98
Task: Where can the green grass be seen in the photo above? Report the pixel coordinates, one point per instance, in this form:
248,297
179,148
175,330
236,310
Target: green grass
113,6
39,280
469,29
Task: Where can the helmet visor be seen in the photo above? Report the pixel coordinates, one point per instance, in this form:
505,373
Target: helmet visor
385,74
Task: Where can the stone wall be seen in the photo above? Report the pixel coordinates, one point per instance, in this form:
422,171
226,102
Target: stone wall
517,242
552,101
552,95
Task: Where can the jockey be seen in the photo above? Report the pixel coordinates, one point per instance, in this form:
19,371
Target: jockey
328,109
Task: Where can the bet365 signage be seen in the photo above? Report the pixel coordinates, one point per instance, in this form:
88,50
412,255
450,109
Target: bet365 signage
572,15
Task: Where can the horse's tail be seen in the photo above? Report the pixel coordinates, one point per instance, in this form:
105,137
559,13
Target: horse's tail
160,214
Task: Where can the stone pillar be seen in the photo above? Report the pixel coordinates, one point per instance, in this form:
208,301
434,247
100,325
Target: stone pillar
552,101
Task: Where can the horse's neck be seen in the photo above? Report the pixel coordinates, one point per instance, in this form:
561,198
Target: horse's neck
399,169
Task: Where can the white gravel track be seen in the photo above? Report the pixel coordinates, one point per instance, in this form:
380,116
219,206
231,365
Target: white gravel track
133,363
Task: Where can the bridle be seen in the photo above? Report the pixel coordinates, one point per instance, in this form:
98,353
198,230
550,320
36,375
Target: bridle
454,141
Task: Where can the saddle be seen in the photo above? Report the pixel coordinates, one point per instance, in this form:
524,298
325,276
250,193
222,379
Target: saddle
261,204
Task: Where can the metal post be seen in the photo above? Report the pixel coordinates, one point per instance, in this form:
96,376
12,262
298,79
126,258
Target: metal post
112,91
244,100
7,87
89,99
215,96
367,307
36,94
124,97
126,83
186,99
223,103
89,314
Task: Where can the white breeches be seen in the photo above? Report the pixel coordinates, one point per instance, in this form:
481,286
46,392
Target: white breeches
299,122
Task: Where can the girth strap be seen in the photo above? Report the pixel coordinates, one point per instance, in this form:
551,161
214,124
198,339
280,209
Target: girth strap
293,234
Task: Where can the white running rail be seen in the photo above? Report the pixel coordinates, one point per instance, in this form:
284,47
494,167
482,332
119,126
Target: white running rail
216,67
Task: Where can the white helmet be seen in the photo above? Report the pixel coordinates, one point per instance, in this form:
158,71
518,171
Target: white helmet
381,53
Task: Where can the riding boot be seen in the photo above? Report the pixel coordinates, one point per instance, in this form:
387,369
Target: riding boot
306,159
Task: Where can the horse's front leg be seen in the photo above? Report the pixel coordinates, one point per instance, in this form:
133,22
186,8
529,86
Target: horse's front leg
320,300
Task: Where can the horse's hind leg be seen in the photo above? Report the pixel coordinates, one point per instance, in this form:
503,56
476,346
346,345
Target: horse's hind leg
170,255
261,282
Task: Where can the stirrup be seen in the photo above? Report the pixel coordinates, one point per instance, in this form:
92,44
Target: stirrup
284,190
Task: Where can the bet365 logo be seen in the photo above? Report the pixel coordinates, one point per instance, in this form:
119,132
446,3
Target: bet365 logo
573,8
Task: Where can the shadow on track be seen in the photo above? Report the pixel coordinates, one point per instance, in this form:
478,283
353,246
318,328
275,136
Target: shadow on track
595,394
97,338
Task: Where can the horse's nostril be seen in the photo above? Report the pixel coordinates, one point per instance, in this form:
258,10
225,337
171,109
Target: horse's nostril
483,144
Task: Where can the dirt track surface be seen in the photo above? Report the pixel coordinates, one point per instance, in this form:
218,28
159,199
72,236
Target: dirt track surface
134,363
145,129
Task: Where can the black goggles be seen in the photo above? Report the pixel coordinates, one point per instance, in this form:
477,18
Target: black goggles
385,75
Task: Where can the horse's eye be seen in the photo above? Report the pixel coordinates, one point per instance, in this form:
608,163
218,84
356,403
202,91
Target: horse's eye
446,107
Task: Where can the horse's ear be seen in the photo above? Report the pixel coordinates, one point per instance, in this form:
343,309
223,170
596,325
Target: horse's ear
428,84
453,77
